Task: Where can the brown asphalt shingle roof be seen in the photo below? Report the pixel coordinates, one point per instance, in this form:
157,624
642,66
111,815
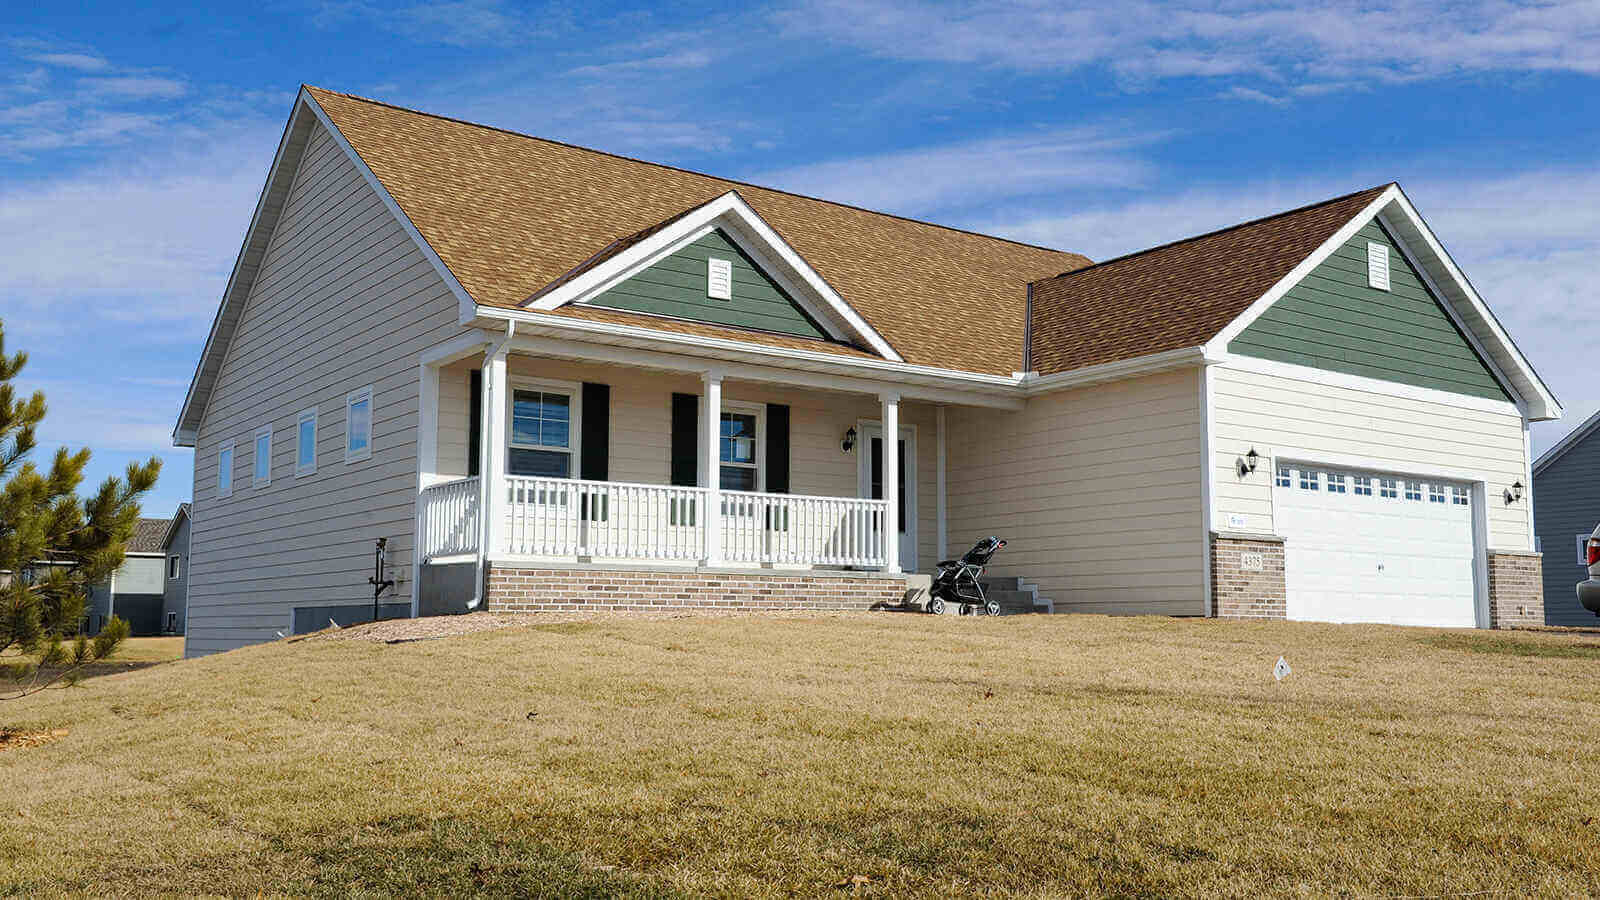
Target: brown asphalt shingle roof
147,535
508,214
1177,295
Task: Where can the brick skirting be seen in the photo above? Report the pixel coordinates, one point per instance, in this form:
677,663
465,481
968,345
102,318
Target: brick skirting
1516,589
1247,577
552,589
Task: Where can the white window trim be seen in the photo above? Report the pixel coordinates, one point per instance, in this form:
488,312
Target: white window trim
225,489
574,392
174,567
351,399
301,468
264,431
759,410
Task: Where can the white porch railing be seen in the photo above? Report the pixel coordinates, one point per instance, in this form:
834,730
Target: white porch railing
450,524
570,517
792,529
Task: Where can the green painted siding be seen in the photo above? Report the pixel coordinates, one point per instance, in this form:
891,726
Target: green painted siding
1333,320
676,286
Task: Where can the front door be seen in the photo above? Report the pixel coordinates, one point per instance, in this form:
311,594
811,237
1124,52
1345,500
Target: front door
870,474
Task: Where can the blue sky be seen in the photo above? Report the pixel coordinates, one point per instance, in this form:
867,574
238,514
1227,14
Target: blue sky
133,146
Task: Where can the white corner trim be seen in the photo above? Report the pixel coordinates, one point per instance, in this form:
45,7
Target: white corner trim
466,306
1573,438
754,236
1367,385
1218,345
1208,474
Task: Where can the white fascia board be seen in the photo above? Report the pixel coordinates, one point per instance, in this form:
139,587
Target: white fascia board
756,237
1543,406
1034,384
465,305
1573,438
1217,347
1367,385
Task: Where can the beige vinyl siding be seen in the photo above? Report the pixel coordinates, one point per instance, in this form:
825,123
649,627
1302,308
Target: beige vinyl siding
1097,490
344,299
1273,412
641,428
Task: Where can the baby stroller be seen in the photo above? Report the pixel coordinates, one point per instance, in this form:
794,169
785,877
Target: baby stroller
958,580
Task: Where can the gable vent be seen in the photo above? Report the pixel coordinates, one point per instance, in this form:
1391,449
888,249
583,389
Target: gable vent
1378,265
719,279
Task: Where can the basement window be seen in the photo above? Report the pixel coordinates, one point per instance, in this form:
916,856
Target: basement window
1378,265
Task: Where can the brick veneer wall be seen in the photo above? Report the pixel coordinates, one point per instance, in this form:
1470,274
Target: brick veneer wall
1516,589
1240,594
514,589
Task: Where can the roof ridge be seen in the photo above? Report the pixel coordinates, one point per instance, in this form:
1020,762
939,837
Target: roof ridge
687,171
1214,232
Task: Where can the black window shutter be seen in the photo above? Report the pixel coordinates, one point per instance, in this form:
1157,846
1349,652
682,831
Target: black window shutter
685,442
777,448
596,462
475,422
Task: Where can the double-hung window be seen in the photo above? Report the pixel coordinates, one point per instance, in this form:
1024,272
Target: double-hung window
225,470
543,436
358,425
261,458
739,448
174,566
305,443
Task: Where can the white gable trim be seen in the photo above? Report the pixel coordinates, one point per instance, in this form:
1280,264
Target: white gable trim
755,237
1463,304
1573,439
284,165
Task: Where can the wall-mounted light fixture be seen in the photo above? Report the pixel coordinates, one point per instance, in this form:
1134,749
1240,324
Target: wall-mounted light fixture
849,441
1514,493
1247,463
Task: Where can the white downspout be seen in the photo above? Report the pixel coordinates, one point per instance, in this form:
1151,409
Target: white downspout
486,457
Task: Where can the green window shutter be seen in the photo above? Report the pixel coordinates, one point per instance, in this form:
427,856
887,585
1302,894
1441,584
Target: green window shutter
777,448
475,422
685,441
595,465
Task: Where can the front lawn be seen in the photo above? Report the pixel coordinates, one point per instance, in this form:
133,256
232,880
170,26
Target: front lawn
1032,755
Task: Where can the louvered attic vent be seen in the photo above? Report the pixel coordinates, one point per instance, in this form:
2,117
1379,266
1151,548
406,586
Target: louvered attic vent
1378,265
719,279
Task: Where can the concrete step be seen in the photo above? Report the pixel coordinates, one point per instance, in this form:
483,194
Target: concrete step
990,582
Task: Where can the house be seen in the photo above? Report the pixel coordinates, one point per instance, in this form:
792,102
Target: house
669,389
1566,508
175,587
134,590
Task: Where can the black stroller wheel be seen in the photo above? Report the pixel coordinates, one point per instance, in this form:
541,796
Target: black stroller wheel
992,607
936,606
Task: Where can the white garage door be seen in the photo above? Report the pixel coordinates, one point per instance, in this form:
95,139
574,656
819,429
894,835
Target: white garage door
1375,547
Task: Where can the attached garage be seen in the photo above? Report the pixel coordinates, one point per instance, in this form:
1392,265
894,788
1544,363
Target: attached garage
1365,546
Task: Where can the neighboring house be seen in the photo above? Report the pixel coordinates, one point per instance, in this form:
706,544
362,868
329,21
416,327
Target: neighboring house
175,590
1566,508
670,389
134,590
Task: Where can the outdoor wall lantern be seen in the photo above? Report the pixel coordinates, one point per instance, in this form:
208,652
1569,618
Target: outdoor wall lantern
1247,465
849,440
1514,493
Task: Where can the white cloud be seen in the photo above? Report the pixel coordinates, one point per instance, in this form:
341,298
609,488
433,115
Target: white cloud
1344,40
135,87
82,62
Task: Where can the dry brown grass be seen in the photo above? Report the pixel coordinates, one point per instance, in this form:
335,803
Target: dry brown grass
898,754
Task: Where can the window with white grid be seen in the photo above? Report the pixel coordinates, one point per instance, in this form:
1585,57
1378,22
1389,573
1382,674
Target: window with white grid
1308,480
1363,485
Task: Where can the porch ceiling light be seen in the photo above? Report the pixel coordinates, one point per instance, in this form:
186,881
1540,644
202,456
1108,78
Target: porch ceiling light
1514,493
849,441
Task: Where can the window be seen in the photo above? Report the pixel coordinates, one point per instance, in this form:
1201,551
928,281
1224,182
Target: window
719,279
1435,493
1308,479
305,443
1378,265
225,470
1335,483
1283,477
1413,490
1388,487
1459,496
1363,485
261,473
358,425
542,433
739,450
174,566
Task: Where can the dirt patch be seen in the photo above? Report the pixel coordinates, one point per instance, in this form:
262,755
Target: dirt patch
17,740
399,631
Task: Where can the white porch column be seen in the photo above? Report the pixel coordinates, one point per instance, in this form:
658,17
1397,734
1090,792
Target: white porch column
939,502
891,480
491,464
711,465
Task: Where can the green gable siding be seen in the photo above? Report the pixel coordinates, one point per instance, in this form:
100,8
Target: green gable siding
1333,320
676,286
